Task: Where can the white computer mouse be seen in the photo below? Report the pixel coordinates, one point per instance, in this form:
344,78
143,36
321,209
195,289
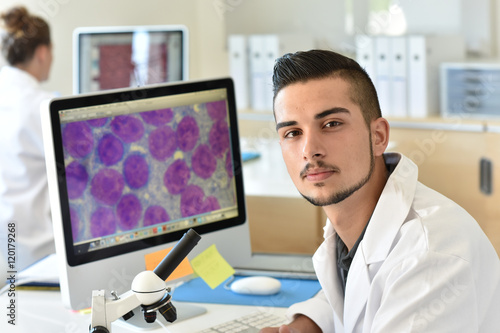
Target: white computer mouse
256,285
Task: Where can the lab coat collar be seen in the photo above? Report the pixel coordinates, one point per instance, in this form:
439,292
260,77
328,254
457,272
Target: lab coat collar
391,210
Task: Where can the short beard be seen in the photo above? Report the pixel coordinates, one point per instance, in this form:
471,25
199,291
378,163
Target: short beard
337,197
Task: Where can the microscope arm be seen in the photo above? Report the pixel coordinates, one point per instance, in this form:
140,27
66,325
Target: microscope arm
106,310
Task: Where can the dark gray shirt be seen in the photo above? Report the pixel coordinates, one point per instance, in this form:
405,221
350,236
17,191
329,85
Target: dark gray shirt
344,257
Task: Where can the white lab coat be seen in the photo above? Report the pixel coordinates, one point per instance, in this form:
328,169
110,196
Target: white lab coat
424,265
24,198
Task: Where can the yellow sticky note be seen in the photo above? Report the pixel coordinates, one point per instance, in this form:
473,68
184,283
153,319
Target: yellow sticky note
153,259
212,267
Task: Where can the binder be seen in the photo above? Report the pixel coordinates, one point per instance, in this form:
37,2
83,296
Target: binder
272,50
259,74
365,54
417,74
238,69
398,89
383,74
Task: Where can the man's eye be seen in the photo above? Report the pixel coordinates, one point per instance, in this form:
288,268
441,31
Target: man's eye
291,134
332,124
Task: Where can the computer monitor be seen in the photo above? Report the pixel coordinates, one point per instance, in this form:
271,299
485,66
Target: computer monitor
120,57
131,170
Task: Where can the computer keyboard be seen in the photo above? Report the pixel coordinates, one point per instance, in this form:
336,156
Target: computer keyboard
251,323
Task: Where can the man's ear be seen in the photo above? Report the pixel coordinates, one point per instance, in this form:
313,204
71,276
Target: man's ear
380,135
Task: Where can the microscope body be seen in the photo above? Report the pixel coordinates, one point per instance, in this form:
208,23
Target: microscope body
148,290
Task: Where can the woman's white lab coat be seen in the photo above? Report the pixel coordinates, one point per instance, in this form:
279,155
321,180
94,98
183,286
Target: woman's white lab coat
424,265
24,198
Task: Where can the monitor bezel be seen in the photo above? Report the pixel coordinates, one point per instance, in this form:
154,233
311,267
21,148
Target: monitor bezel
81,32
135,94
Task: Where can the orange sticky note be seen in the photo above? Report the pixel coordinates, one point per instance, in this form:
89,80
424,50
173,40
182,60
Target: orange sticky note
153,259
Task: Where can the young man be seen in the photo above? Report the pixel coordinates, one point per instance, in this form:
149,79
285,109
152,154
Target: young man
397,256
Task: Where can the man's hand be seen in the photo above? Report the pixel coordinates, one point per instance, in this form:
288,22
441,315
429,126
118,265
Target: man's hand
301,324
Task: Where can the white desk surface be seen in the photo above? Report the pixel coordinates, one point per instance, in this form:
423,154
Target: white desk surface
42,311
266,175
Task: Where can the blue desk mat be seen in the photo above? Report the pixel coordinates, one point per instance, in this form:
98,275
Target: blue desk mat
292,291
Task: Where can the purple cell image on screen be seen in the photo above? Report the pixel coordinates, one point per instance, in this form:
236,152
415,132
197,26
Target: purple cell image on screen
75,223
103,222
136,171
203,162
110,149
129,211
193,202
107,186
99,122
229,164
219,138
78,139
76,179
187,133
158,117
177,177
128,128
149,168
155,215
217,110
162,143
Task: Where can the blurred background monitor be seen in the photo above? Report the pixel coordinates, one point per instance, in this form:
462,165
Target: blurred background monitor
135,56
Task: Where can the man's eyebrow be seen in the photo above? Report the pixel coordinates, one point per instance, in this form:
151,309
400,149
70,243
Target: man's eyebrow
318,116
331,111
285,124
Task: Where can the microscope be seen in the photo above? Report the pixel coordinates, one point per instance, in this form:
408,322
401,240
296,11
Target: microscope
148,290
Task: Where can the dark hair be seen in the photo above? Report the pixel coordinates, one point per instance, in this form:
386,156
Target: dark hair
318,64
25,32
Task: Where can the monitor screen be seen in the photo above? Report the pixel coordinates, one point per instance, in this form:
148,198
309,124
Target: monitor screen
120,57
132,170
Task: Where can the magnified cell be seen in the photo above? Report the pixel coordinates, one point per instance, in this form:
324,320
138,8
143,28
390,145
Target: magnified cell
162,143
192,200
154,215
204,162
217,110
219,138
110,149
76,179
103,222
187,133
177,176
157,117
78,139
129,211
128,128
210,204
107,186
98,122
136,171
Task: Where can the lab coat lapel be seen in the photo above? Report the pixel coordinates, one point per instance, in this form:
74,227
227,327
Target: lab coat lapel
357,291
384,225
326,271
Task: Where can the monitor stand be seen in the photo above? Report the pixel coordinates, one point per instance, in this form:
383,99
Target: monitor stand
138,324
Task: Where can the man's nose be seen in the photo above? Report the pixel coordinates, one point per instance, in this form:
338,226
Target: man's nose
314,147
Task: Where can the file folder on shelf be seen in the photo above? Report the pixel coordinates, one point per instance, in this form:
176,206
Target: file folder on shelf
398,89
238,69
